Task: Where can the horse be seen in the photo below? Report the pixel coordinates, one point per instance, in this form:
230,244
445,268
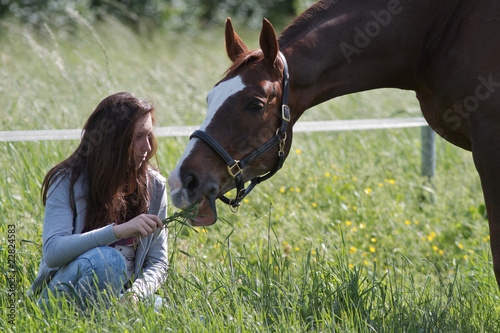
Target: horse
448,52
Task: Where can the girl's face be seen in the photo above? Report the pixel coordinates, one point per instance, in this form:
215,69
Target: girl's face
142,142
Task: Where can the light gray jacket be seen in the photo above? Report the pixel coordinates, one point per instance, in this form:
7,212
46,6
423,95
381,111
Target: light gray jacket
62,243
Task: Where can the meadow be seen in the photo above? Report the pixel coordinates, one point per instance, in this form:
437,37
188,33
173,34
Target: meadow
347,237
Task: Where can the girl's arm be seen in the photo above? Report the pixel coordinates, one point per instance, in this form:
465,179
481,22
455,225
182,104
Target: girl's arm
60,244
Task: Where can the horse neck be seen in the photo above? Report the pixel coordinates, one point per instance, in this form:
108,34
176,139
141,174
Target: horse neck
341,47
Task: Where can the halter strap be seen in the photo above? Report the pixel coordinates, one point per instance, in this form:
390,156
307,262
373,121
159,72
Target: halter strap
235,167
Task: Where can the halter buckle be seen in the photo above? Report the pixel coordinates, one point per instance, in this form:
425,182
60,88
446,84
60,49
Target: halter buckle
231,168
285,113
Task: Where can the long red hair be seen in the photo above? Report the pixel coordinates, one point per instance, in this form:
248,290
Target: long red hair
117,189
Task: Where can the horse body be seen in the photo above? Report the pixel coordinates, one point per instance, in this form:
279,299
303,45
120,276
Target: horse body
438,49
446,51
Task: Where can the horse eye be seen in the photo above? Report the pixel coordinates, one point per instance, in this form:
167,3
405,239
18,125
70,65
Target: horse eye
254,106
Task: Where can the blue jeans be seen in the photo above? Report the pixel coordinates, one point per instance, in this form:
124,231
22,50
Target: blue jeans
94,275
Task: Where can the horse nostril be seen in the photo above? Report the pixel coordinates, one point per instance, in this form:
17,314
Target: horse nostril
191,181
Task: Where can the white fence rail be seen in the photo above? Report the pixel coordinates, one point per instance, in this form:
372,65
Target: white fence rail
428,136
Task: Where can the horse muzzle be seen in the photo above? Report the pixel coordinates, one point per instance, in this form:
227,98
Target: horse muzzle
188,194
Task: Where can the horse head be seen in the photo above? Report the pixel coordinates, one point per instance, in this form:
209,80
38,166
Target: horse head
244,133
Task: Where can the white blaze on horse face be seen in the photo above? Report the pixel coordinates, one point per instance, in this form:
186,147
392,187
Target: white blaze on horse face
218,95
216,98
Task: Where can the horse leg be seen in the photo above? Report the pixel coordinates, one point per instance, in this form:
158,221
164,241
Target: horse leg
486,154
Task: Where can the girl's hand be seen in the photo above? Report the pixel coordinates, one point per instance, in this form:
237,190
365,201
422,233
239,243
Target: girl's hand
142,225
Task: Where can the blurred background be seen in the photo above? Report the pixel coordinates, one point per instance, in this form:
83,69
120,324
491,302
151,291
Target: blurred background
345,238
170,14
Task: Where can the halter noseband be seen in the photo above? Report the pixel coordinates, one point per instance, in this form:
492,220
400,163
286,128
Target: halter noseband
235,167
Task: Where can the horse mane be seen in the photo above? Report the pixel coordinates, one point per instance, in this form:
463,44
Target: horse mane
312,15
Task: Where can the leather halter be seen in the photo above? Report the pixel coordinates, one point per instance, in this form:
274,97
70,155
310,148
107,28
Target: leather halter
235,167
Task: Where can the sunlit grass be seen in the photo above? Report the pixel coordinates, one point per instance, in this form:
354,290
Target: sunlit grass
346,237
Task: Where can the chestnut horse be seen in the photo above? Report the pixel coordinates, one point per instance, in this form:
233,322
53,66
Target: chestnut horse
448,52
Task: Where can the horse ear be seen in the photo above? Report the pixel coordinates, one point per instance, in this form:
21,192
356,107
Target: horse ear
234,44
268,42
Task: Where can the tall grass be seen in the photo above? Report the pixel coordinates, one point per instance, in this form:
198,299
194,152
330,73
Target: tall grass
344,238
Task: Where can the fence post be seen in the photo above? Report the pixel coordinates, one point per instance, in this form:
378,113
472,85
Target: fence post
428,152
429,161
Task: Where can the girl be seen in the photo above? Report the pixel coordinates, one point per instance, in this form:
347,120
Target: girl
104,206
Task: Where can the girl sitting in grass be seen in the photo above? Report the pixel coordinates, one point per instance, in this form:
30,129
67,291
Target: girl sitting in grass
104,205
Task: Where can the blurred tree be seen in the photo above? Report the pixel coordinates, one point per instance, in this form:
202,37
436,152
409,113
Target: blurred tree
38,12
171,14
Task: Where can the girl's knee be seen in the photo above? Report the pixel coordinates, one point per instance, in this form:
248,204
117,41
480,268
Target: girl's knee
111,256
109,259
101,268
108,265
